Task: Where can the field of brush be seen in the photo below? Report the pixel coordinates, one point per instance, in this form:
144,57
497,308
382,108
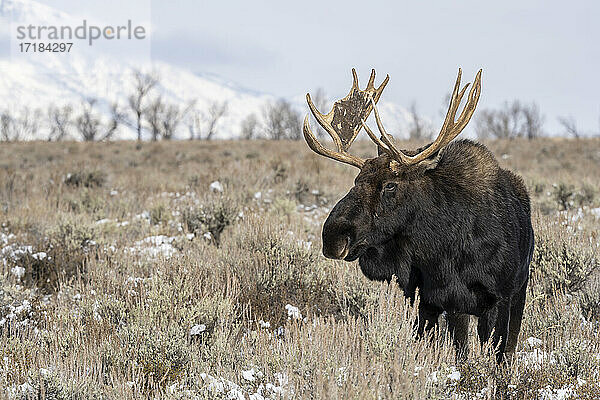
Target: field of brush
193,270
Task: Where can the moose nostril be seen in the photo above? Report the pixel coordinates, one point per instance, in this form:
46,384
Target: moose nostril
338,235
343,251
338,249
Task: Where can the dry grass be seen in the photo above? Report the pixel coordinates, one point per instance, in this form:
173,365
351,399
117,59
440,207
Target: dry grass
141,282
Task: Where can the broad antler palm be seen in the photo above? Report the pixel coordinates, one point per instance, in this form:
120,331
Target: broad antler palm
344,121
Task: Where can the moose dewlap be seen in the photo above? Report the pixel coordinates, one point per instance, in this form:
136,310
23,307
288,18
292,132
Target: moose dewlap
445,218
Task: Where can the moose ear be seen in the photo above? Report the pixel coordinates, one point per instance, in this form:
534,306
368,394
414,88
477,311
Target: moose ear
380,151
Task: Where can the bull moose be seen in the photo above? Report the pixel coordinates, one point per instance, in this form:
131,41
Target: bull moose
445,218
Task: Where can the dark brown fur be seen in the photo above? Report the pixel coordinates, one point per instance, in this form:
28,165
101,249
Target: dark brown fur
456,226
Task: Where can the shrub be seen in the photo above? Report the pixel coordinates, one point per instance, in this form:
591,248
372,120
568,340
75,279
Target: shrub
86,202
539,188
60,257
283,206
574,356
50,385
194,181
44,385
280,171
86,178
160,356
586,196
107,309
158,214
357,295
558,266
18,355
211,310
72,232
476,374
20,310
301,191
211,218
9,177
563,194
589,301
275,270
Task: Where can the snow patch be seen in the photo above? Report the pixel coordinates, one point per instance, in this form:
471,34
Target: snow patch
216,187
197,329
293,312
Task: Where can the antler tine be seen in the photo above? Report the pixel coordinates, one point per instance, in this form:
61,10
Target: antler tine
472,101
379,90
451,128
375,139
348,120
387,138
454,103
315,146
343,122
371,83
354,79
390,151
321,120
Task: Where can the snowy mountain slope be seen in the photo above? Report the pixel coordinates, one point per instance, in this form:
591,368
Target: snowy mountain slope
40,82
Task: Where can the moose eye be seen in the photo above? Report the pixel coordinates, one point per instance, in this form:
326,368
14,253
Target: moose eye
390,186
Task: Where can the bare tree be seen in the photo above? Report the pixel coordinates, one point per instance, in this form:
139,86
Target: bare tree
511,121
5,125
60,122
496,123
163,119
249,127
117,116
207,121
153,115
172,117
89,122
534,121
194,123
282,121
570,126
143,84
492,123
7,129
215,112
418,129
322,103
19,127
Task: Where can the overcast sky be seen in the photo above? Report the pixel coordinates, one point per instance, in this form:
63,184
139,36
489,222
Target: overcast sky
542,51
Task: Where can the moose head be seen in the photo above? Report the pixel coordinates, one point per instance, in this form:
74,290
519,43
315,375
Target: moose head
392,190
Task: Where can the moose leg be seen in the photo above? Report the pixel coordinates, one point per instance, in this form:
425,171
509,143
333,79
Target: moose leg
501,329
428,316
485,324
458,326
516,316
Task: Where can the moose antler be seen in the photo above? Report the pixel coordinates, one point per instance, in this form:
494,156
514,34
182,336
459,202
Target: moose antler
344,121
450,129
